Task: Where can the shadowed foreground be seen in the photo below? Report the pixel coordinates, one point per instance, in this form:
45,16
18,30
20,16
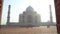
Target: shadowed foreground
29,30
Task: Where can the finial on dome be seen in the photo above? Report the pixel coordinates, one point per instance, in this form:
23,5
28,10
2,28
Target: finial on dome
29,8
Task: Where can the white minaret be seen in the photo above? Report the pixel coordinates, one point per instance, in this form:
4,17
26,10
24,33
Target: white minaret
8,16
51,19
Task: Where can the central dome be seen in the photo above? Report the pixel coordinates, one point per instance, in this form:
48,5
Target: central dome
29,8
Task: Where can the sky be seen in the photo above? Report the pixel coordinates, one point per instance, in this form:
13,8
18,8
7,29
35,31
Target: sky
18,6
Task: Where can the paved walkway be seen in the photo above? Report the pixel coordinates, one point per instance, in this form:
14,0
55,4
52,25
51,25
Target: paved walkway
33,30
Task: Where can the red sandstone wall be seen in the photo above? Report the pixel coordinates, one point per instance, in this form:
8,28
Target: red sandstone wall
1,3
57,7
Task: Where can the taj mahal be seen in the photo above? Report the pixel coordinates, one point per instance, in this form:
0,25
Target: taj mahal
29,18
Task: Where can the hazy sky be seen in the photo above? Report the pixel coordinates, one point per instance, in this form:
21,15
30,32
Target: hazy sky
18,6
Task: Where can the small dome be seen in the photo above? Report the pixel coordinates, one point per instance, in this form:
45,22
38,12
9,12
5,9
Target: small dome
29,8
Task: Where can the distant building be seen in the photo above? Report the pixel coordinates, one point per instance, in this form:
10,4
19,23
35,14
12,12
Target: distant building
29,17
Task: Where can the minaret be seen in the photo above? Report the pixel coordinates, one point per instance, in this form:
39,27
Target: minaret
51,19
8,16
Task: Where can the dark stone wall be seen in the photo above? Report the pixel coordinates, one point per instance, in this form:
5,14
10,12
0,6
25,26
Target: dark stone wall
57,8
